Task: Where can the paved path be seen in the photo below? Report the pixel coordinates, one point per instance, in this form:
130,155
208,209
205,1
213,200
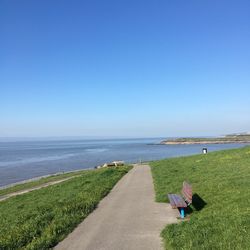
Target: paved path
126,219
6,196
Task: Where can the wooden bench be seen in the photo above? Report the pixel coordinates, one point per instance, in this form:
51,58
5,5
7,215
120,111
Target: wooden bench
182,201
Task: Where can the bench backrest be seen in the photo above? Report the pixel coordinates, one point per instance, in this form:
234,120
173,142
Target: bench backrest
187,192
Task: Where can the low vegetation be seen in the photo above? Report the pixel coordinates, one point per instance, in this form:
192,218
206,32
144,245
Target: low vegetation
220,219
35,183
42,218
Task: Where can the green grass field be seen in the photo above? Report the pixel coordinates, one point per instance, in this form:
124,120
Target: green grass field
222,180
35,183
42,218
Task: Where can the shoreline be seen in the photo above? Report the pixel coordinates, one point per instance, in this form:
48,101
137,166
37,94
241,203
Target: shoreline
49,175
201,142
41,177
242,138
172,142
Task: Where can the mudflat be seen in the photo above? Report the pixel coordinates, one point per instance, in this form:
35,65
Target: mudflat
128,218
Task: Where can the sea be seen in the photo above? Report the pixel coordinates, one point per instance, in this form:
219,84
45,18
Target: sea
22,160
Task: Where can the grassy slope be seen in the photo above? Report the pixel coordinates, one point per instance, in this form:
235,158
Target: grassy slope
222,180
40,219
31,184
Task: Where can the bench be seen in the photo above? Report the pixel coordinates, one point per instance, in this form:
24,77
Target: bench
182,201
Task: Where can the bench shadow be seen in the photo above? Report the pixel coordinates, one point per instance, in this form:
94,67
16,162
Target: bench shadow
197,204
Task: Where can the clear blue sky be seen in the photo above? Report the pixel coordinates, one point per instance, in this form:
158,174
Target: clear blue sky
124,68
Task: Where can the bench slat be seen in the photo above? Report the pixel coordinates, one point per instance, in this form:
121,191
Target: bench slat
176,201
187,192
171,200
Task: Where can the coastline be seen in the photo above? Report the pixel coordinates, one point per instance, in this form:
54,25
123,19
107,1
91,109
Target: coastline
132,152
243,138
41,177
200,142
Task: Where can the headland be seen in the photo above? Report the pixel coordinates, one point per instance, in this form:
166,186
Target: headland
233,138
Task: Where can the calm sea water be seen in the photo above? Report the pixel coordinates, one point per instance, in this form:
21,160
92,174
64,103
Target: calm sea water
24,160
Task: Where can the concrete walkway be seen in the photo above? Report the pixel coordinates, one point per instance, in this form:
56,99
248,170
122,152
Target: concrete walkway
128,218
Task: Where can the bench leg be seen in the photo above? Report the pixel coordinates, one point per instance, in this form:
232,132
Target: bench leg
182,213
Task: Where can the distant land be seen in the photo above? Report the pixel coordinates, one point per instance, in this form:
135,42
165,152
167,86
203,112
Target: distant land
232,138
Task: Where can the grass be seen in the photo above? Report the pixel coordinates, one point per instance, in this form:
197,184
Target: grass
222,180
42,218
35,183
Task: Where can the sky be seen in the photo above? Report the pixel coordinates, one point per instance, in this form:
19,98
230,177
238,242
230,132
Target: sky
124,68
